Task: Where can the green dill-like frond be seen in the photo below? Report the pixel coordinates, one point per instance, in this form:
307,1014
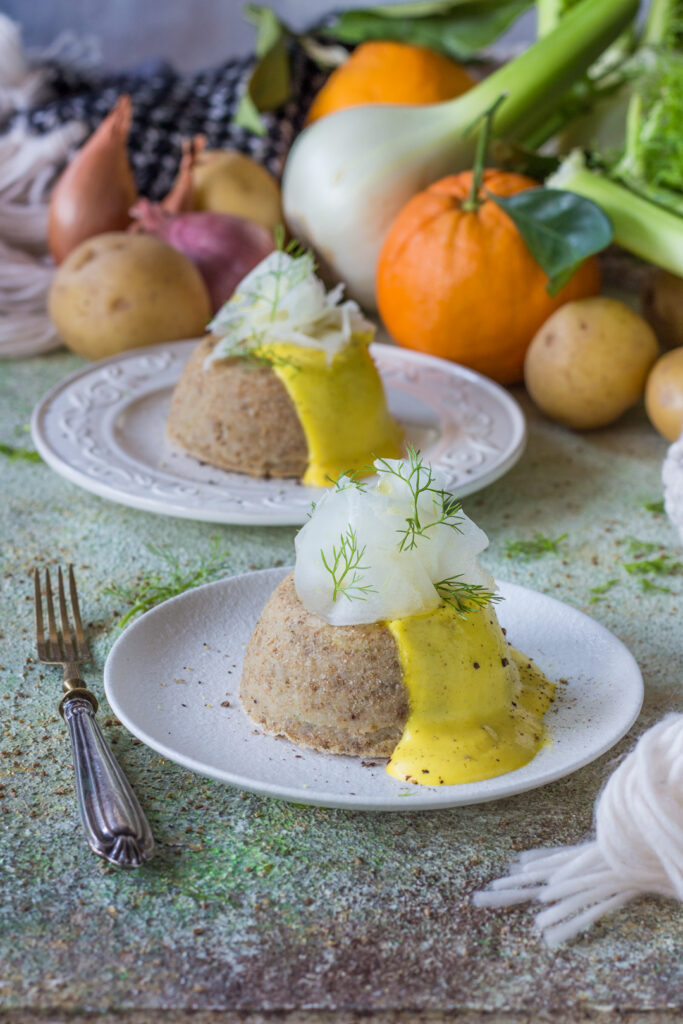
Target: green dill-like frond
464,597
169,581
639,547
420,479
648,587
601,589
349,478
297,251
346,568
15,454
539,545
266,356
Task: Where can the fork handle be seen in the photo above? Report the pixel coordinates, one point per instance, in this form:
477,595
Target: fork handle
115,825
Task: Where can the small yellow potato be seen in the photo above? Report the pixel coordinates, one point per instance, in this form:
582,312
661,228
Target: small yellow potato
227,181
118,291
589,362
664,395
663,307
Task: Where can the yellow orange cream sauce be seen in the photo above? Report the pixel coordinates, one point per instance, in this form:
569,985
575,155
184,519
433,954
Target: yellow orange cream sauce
341,407
476,704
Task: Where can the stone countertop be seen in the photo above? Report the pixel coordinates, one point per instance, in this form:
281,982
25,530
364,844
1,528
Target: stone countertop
256,909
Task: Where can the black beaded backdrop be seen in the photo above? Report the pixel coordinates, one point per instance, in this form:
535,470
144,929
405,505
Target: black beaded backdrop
169,107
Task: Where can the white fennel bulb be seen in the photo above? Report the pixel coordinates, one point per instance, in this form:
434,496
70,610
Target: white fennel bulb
348,174
389,546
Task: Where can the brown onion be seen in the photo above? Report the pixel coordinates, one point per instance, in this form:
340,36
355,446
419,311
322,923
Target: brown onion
97,189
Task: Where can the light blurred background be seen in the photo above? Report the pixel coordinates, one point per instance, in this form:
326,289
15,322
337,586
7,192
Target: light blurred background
191,34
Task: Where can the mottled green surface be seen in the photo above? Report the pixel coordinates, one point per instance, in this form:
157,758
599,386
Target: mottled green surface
257,905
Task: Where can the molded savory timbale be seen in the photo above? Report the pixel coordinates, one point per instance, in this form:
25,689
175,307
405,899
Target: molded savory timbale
236,415
333,688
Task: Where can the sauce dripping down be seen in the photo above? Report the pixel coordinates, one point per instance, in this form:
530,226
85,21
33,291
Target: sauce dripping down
341,407
476,704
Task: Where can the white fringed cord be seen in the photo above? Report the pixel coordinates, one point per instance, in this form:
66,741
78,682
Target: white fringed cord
23,76
638,847
29,164
25,328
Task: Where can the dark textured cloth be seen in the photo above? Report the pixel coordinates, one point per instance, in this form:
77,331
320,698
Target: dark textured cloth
169,107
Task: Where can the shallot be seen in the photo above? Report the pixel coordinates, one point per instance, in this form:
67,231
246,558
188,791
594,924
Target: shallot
180,198
222,247
97,189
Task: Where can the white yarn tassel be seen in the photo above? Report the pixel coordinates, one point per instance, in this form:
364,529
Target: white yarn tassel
28,167
25,328
638,846
672,480
29,164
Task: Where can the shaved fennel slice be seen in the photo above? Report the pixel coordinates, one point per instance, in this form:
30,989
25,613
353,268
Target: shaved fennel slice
354,564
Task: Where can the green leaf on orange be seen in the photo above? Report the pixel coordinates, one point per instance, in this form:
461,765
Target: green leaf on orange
560,229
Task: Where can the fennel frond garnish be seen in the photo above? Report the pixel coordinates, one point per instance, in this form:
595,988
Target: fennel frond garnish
420,479
464,597
345,568
170,581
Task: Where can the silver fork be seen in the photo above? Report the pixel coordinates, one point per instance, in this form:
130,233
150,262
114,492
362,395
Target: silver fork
115,825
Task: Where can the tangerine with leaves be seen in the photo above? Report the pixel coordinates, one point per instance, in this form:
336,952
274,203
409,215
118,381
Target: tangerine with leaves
455,278
388,72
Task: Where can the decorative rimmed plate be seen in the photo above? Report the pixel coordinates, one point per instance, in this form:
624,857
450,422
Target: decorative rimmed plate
103,428
169,675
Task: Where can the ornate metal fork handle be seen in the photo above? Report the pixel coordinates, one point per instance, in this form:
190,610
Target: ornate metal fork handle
115,825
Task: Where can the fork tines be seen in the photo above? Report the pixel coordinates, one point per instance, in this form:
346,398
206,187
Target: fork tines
71,645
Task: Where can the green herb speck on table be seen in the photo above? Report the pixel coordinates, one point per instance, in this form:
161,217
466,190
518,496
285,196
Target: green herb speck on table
535,548
170,581
15,454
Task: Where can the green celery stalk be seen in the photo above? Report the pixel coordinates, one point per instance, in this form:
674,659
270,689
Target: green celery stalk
536,79
643,227
548,15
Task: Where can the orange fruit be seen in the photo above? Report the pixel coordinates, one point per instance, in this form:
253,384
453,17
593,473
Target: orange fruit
463,285
388,72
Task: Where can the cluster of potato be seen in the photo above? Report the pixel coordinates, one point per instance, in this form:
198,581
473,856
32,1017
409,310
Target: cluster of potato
121,290
595,358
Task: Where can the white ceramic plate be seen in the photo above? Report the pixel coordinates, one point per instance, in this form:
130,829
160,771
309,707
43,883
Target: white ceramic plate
103,429
169,674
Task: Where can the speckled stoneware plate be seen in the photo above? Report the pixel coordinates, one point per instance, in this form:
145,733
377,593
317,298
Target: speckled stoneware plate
173,679
103,428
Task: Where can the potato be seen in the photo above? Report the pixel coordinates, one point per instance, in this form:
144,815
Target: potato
663,307
118,291
227,181
664,395
589,362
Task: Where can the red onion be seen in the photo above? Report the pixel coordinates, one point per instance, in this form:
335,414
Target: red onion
224,248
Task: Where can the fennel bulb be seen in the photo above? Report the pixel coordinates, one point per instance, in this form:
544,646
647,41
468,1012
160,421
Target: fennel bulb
349,174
